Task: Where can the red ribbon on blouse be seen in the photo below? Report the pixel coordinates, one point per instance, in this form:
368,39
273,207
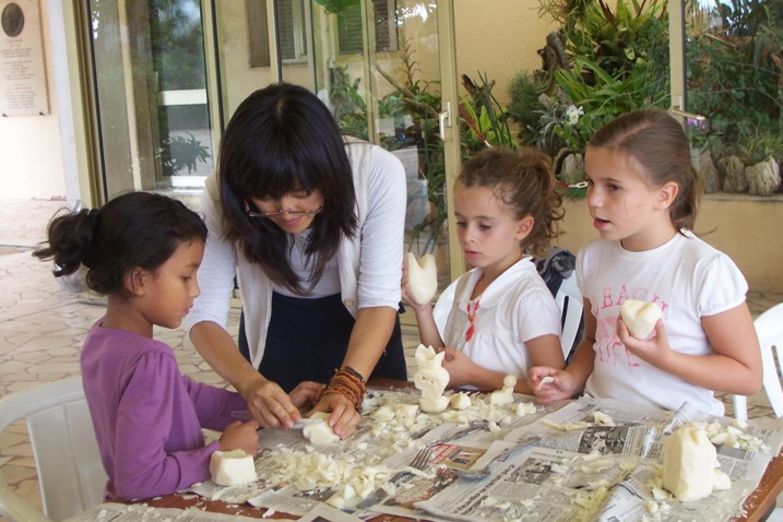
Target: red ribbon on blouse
472,309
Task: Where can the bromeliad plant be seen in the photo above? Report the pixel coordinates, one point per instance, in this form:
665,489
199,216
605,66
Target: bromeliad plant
484,122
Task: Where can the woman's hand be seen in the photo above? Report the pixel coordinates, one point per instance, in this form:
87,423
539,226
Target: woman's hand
462,370
559,384
306,393
240,435
270,405
343,418
654,350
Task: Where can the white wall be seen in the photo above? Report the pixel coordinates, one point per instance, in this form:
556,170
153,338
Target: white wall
32,165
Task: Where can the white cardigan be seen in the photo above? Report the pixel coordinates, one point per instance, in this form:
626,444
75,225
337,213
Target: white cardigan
370,263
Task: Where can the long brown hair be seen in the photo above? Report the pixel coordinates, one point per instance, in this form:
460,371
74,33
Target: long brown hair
658,142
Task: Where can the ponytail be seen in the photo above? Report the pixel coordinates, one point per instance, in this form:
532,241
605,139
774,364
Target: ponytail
134,230
69,240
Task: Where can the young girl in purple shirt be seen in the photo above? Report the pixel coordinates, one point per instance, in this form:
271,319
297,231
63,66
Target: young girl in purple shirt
142,251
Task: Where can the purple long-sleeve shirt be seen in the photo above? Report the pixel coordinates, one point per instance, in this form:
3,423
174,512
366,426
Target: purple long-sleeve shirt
147,415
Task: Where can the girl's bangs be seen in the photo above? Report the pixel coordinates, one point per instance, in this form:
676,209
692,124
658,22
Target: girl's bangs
276,179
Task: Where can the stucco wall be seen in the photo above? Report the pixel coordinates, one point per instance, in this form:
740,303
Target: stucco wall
500,39
745,228
32,165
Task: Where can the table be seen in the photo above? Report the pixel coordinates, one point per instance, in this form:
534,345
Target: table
757,506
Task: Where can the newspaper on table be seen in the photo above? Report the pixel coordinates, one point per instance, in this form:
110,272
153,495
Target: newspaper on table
596,459
114,512
373,466
601,460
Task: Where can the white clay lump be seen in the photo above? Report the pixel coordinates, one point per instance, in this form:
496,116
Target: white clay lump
640,317
460,401
232,468
320,433
690,464
422,277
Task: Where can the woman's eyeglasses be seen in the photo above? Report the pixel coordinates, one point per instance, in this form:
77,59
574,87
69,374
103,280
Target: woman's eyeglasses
254,214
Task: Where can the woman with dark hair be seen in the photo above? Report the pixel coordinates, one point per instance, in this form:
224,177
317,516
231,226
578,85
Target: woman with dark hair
312,225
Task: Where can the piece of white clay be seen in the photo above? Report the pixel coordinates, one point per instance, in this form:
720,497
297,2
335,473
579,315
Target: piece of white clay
524,408
384,413
602,419
336,501
320,433
689,462
232,468
722,481
406,411
434,404
640,317
545,380
422,277
506,394
460,401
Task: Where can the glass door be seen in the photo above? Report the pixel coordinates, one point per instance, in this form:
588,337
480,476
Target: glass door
154,118
376,64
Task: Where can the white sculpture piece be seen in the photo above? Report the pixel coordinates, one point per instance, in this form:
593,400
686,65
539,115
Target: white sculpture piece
504,395
690,464
232,468
640,317
431,379
422,277
320,433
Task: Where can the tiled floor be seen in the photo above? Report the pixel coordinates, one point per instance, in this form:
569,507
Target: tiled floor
42,326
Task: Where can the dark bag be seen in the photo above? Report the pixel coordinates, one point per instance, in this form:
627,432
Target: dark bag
557,266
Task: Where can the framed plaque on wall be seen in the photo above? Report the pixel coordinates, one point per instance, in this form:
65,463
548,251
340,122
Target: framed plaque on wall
23,87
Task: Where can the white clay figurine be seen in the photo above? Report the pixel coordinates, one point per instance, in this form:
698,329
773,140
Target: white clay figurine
422,277
431,379
506,394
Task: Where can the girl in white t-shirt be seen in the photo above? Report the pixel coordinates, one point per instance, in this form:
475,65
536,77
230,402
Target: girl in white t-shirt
503,318
643,197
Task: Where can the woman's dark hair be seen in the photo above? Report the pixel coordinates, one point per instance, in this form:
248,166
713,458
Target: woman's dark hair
524,181
137,229
283,139
657,141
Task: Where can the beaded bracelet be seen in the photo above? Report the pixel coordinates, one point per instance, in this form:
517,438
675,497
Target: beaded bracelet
348,385
355,373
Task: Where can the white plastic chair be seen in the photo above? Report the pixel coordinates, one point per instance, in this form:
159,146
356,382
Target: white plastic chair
568,299
769,328
70,472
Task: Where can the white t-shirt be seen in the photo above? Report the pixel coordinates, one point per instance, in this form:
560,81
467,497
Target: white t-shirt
688,279
514,308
